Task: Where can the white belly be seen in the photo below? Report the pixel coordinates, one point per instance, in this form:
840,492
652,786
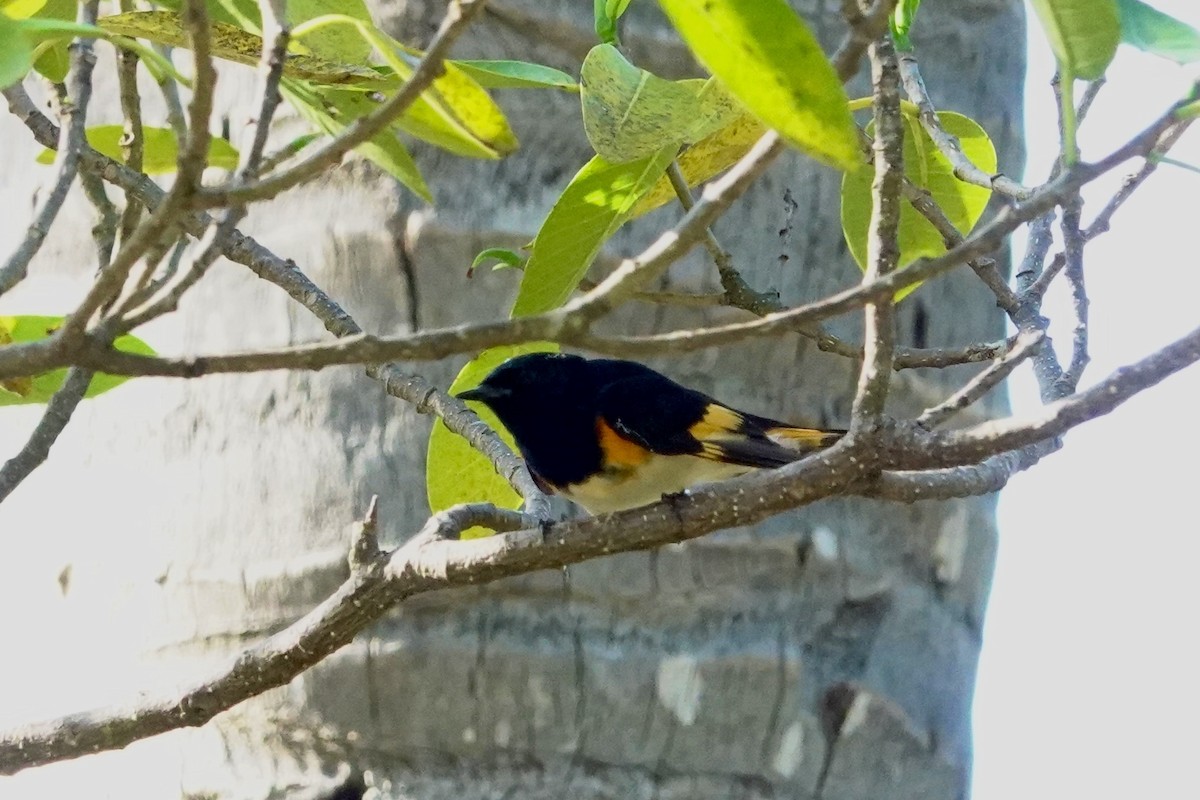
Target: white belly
657,476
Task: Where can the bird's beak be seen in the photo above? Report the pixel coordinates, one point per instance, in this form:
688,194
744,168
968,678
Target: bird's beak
480,394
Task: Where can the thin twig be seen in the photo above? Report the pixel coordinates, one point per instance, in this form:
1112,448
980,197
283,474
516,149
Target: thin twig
737,292
108,218
66,163
1103,220
982,383
1073,243
946,142
58,413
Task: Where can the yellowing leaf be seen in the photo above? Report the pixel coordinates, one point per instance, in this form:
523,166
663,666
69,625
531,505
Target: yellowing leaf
598,200
40,388
629,113
707,158
718,108
234,44
161,149
769,60
924,165
458,103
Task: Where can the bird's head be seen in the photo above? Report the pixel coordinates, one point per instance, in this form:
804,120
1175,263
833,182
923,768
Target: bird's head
523,386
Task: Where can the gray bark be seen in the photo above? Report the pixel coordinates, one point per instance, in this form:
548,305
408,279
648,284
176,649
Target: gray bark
176,521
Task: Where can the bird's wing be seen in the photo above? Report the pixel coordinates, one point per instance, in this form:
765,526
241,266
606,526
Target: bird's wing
653,414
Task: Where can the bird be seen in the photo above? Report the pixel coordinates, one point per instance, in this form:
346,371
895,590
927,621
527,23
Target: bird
611,435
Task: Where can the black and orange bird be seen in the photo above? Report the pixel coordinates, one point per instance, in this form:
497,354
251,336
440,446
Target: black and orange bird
611,434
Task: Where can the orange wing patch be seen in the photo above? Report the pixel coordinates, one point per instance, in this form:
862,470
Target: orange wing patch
618,451
718,422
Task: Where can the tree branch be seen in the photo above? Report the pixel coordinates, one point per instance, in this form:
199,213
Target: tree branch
427,562
883,247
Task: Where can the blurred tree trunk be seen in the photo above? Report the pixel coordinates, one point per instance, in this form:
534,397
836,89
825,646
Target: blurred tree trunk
177,521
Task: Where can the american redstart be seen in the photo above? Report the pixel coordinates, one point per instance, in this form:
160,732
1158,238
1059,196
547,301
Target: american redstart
611,434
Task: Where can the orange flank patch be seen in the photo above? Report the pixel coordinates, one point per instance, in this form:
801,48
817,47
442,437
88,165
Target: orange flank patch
719,422
618,451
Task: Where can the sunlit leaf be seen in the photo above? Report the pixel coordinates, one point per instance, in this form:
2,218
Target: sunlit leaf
516,75
925,166
1083,34
161,149
40,388
598,200
16,56
337,43
20,9
455,471
1151,30
766,56
901,22
506,259
629,113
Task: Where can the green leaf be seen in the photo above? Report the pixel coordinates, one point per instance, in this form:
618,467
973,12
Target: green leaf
458,473
161,149
598,200
629,113
1083,34
1155,32
337,43
16,56
606,13
505,257
40,388
770,61
50,55
925,166
234,44
901,22
516,75
332,110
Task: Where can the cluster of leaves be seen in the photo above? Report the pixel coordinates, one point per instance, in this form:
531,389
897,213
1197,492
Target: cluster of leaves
767,72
